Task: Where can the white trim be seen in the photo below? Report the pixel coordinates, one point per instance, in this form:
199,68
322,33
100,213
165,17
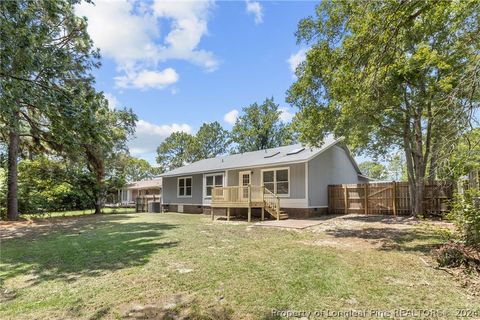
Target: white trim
205,175
275,169
185,186
240,181
307,196
240,173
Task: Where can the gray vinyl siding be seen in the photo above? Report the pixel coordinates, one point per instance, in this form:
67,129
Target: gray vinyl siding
297,178
170,190
330,167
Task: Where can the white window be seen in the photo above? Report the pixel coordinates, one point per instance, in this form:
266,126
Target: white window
184,187
211,181
277,180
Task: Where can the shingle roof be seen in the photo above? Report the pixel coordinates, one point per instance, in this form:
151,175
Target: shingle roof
271,156
145,184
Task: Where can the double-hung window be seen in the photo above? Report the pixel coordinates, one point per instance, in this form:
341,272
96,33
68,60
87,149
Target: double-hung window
211,181
184,187
277,181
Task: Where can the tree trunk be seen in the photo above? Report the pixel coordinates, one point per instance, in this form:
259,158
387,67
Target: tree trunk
98,207
432,171
12,184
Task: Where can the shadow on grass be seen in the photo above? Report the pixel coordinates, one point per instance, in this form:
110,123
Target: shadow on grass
86,247
394,239
404,220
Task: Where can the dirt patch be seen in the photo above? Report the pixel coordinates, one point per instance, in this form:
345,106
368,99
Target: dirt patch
360,232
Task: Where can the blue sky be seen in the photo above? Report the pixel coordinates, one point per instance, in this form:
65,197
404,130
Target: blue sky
180,64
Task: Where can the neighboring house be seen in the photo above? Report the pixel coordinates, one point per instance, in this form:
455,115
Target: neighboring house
146,188
296,177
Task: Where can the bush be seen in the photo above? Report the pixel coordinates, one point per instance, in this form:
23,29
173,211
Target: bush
465,214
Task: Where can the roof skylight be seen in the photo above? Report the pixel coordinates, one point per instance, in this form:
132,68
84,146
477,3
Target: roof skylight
295,151
271,155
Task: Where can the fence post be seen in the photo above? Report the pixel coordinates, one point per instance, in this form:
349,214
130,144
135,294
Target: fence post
366,197
394,195
345,198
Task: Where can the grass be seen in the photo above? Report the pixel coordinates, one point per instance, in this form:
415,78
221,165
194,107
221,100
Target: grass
75,213
169,265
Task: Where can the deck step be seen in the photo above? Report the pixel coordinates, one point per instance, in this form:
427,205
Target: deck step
283,215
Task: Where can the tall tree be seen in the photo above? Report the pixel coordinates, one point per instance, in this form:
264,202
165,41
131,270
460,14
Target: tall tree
175,151
388,74
101,140
46,57
396,167
374,170
135,169
211,140
260,128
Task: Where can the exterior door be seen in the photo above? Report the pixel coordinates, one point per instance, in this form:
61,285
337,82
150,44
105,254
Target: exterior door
245,178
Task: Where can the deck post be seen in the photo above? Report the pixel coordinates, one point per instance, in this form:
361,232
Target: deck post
211,213
263,202
249,203
278,208
228,214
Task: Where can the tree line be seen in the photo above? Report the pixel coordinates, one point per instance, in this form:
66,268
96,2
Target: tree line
388,75
259,127
49,107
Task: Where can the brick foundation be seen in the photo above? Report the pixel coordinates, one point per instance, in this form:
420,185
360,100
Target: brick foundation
293,213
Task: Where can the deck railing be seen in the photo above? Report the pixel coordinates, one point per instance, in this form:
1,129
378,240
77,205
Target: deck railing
237,195
272,201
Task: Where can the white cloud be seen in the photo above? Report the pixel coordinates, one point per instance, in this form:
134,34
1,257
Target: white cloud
147,79
119,32
256,9
188,26
128,31
297,58
112,100
231,117
148,136
286,115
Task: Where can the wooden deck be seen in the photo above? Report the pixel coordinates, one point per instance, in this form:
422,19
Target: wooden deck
247,197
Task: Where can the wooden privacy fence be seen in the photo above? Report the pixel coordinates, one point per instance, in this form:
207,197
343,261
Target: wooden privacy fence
386,198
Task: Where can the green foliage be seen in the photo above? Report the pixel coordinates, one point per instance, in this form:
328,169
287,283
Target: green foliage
131,169
465,213
181,148
175,151
389,74
260,128
396,168
463,157
46,57
100,141
47,185
210,141
3,193
373,170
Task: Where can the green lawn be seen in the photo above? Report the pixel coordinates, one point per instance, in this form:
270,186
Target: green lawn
75,213
169,265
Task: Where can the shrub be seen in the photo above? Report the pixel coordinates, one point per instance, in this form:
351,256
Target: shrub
465,214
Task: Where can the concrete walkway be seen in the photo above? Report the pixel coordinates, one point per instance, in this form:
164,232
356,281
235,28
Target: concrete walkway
289,223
